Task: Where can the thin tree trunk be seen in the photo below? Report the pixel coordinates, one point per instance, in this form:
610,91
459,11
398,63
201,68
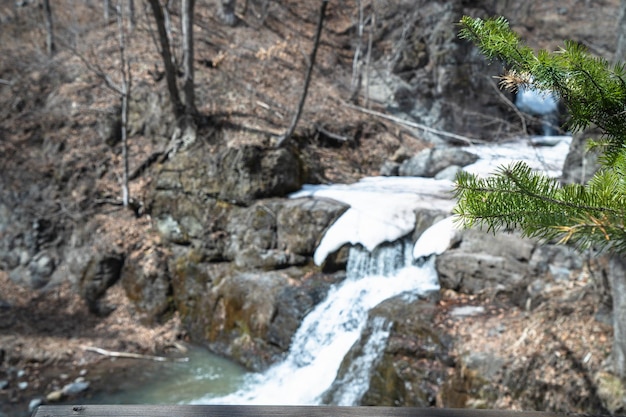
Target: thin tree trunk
355,85
125,93
131,15
107,8
307,81
166,54
188,54
168,29
368,57
49,27
617,279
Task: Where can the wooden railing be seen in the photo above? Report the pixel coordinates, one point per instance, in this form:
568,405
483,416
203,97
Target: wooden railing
267,411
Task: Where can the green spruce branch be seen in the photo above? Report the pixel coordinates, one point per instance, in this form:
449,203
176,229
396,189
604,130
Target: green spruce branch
515,197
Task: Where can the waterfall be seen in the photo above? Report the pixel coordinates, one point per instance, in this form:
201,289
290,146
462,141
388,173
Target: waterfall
354,384
329,331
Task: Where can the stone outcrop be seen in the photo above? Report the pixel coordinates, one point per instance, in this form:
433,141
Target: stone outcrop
414,360
581,163
431,76
240,255
504,262
432,161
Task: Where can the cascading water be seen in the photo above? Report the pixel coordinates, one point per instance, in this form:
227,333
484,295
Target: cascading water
355,382
381,209
330,330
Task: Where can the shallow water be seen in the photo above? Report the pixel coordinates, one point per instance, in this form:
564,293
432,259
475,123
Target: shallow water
205,374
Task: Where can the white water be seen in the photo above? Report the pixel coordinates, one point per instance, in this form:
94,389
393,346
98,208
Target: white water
330,330
355,382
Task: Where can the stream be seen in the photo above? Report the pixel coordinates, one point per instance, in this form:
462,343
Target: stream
381,211
205,374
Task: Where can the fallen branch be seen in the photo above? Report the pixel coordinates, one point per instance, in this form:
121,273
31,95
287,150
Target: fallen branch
465,139
114,354
331,135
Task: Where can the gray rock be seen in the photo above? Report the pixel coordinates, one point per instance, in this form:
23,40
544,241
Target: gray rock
146,281
581,164
252,172
171,230
278,233
102,270
472,273
34,403
390,169
430,74
413,361
448,173
486,261
40,270
75,387
430,162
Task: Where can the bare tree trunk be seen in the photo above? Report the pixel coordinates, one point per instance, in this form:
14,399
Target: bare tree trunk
368,57
617,279
227,12
188,55
168,30
355,84
131,15
49,27
307,81
125,93
107,9
166,54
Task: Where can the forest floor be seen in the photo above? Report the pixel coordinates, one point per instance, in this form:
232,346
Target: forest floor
249,79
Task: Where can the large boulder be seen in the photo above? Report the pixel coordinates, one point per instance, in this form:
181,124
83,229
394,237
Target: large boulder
236,175
146,281
252,172
483,261
92,265
507,263
432,161
249,316
581,163
228,310
278,233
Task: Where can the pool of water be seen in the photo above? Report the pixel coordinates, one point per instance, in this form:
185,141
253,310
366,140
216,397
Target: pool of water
144,382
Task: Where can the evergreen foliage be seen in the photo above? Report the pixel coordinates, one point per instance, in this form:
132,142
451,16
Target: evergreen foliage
594,92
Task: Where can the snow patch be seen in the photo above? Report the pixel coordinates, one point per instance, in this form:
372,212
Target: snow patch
382,209
436,239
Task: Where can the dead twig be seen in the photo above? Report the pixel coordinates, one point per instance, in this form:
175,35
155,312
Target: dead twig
331,135
465,139
114,354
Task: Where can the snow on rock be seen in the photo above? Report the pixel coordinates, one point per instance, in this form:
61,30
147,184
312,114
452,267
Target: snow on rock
542,153
436,239
382,209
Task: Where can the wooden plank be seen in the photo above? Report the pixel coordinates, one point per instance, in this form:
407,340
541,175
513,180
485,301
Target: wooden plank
267,411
